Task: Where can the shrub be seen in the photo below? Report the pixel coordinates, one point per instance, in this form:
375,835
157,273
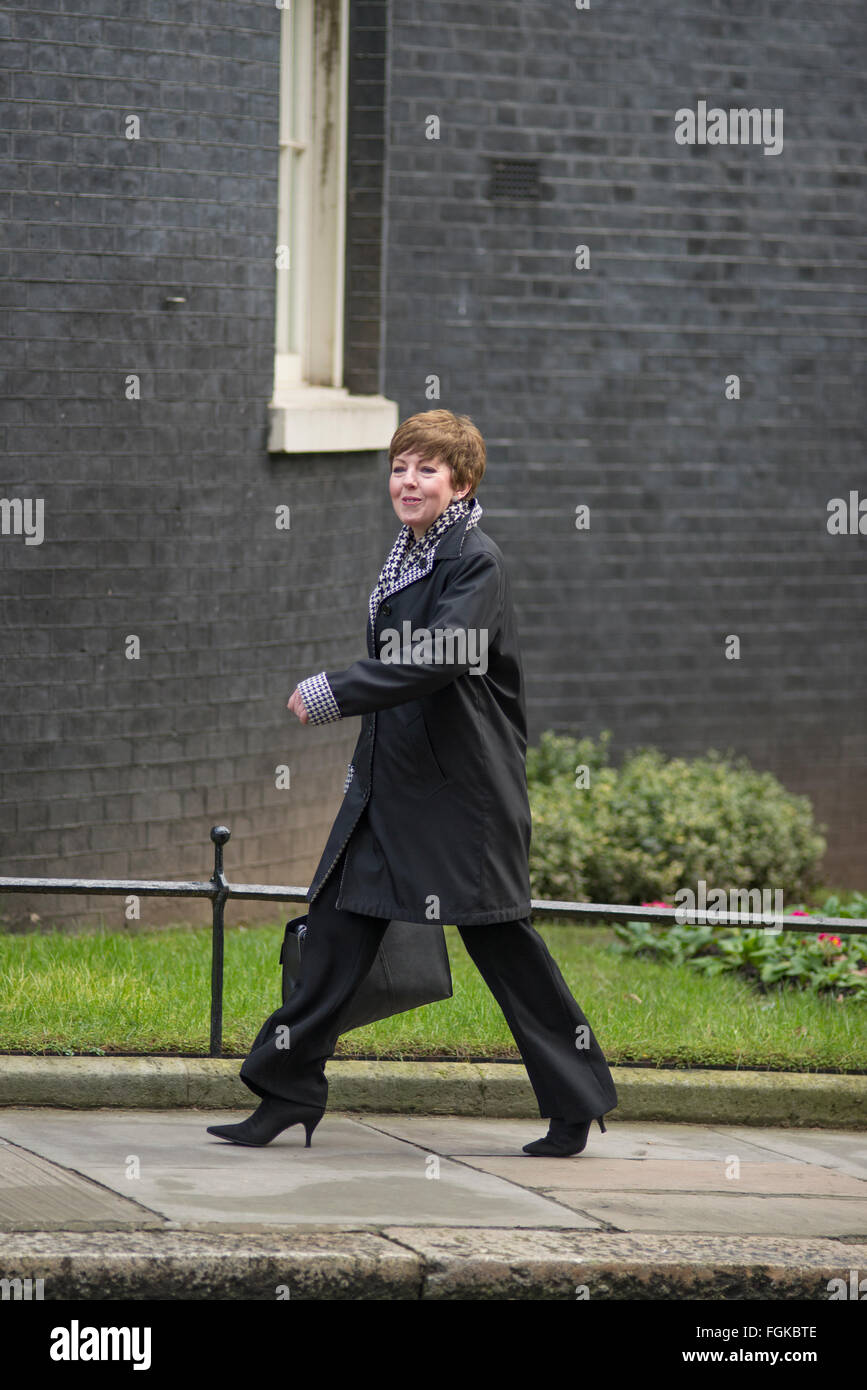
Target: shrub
655,825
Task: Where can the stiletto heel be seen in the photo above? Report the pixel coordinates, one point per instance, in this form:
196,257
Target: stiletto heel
272,1117
601,1124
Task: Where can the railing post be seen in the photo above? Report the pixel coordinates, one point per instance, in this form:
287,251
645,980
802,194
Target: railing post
219,834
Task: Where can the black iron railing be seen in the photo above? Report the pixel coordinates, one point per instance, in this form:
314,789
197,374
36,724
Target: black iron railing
219,890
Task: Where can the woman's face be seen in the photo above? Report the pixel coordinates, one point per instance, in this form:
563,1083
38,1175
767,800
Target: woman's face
420,490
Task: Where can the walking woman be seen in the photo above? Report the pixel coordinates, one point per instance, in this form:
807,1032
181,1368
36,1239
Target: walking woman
435,820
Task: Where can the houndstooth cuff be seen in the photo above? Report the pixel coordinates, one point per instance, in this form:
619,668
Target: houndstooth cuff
319,700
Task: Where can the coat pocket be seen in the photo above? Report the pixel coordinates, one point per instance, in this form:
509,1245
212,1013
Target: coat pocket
413,752
407,712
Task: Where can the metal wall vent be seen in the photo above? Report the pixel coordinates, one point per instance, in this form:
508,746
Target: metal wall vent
515,180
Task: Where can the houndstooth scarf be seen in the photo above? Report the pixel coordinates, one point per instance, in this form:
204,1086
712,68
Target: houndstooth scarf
410,559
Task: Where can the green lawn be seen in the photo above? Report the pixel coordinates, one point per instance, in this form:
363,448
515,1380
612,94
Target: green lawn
149,993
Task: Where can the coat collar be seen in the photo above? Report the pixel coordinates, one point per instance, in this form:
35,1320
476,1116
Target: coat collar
450,545
453,541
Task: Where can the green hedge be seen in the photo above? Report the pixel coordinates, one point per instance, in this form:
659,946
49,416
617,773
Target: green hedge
641,831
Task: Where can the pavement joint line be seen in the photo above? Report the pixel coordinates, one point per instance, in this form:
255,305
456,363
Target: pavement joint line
513,1182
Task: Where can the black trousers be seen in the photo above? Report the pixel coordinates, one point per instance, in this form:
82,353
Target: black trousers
563,1060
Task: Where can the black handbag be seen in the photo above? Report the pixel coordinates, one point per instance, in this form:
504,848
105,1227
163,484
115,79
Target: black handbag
410,968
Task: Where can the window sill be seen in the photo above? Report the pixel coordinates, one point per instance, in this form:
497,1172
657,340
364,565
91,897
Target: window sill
327,419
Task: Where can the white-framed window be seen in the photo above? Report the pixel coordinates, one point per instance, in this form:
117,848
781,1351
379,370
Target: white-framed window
311,410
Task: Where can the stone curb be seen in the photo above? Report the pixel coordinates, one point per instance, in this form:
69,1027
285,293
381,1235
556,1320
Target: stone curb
415,1263
492,1089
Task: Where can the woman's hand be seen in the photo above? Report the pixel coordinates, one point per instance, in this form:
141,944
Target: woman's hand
296,704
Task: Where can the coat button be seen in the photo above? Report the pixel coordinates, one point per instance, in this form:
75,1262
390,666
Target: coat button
386,608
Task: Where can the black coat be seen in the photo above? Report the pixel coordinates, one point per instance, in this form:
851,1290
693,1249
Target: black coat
436,813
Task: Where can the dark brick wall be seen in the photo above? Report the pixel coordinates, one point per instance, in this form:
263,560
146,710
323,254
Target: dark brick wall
606,386
159,512
603,387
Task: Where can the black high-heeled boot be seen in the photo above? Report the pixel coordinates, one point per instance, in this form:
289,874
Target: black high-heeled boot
563,1139
271,1117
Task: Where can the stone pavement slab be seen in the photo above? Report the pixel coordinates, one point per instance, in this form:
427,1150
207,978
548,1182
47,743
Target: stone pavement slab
145,1205
677,1175
38,1195
385,1170
712,1213
351,1175
842,1150
682,1178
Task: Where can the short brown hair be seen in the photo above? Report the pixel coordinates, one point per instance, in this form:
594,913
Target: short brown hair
452,438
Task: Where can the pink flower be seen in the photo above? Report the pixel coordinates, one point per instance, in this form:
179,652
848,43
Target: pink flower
834,940
656,904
